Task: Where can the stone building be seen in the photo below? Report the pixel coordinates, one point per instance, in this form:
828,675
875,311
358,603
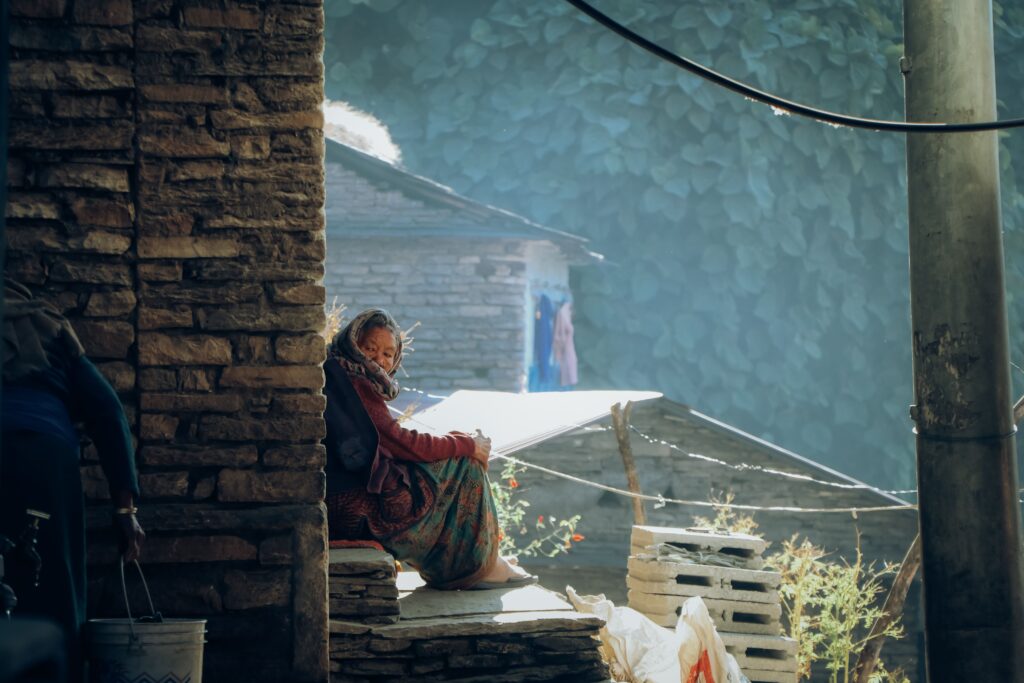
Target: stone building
681,454
469,273
165,174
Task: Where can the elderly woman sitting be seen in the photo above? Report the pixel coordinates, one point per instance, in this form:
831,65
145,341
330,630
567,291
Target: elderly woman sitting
425,498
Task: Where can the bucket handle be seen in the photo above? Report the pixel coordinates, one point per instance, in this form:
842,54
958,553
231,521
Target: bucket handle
127,607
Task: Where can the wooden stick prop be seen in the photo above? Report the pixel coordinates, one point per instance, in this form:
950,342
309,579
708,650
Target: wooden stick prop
1018,410
891,611
620,420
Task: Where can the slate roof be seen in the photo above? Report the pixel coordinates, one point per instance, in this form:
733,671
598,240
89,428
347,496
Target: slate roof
443,212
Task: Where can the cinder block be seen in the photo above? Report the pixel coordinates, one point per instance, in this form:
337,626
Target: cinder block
743,550
721,583
762,653
755,676
728,615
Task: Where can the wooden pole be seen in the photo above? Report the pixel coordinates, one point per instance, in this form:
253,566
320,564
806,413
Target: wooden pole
620,420
891,611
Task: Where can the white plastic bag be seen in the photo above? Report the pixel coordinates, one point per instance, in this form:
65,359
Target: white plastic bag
643,651
694,619
640,651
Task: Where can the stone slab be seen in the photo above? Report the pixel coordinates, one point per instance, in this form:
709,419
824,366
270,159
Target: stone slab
568,622
722,583
551,672
340,627
737,617
739,546
427,603
348,561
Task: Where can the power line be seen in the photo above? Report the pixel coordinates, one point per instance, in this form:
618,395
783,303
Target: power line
779,103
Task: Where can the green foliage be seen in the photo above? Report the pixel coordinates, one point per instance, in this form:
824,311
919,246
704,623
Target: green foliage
760,261
726,519
830,607
545,536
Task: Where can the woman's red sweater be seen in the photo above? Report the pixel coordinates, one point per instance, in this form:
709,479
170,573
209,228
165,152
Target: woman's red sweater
408,444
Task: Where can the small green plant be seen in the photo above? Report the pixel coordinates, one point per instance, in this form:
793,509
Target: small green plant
727,519
830,607
546,536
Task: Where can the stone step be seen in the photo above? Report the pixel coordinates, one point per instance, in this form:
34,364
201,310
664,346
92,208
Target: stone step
761,653
729,615
557,645
364,562
743,549
362,586
490,624
428,603
722,583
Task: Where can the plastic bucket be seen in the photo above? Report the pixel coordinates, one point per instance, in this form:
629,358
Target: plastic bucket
123,651
151,649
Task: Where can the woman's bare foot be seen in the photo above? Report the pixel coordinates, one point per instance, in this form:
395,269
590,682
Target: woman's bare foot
504,570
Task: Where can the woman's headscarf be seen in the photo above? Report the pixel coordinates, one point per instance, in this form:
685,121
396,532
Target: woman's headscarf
345,347
36,335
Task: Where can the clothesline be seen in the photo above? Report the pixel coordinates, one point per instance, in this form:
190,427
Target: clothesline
743,467
661,500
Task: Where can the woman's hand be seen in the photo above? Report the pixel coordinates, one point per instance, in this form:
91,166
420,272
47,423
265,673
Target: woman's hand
483,448
130,535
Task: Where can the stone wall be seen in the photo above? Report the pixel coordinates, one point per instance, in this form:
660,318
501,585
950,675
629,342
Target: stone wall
166,175
468,294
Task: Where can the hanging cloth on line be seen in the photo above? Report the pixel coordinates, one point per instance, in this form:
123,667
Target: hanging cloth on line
563,347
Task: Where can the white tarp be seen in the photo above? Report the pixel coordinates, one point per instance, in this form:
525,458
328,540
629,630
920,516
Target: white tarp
515,421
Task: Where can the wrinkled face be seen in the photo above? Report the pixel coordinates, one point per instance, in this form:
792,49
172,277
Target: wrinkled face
379,345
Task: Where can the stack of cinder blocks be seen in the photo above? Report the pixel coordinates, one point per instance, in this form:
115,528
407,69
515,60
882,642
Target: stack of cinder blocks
667,566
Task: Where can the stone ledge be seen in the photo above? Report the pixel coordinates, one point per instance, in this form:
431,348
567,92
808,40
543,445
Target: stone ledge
357,561
490,624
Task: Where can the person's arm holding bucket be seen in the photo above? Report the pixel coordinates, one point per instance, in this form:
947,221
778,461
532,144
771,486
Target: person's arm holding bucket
107,426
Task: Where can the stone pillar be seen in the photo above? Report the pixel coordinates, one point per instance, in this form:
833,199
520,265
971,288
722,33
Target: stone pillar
166,175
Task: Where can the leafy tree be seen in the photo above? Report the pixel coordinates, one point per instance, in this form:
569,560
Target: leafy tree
758,263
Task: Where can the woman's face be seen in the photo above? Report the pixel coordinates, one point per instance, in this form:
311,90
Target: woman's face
379,345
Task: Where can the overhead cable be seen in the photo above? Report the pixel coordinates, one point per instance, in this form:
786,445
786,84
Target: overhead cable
779,103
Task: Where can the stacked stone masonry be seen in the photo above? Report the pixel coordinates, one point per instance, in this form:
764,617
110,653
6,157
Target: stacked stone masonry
668,566
166,191
370,642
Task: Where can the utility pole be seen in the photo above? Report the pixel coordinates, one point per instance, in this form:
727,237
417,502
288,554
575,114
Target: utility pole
966,465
